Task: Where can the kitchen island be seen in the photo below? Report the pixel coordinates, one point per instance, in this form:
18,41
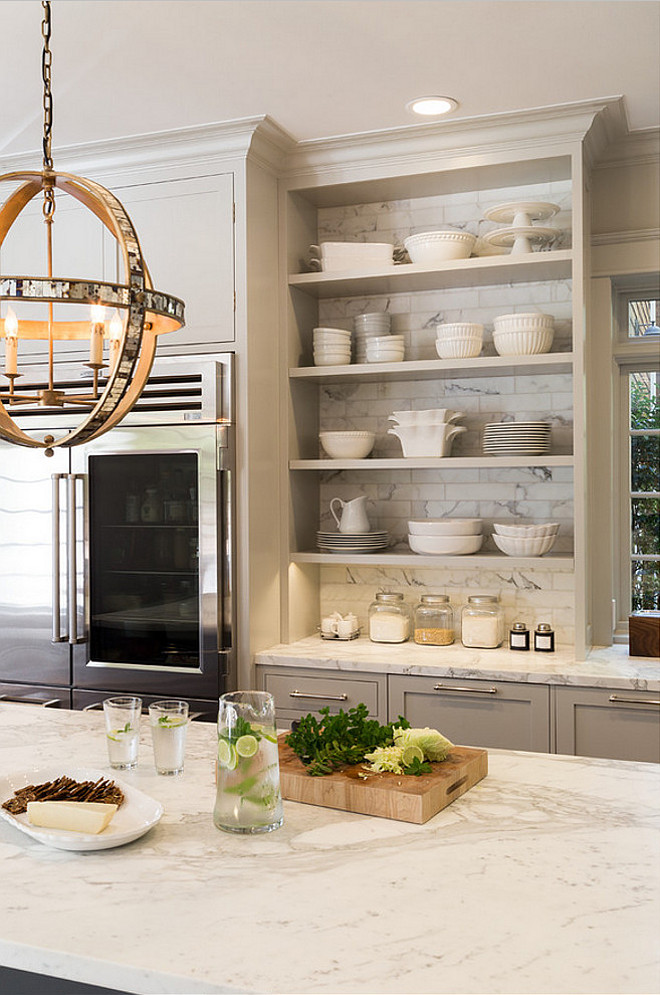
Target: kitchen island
543,878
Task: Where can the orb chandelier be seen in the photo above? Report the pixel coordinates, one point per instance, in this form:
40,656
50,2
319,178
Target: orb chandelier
121,348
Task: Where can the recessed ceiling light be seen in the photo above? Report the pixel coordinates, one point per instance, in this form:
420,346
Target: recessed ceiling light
432,106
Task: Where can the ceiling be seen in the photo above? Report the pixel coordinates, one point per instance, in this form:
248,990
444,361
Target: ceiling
318,67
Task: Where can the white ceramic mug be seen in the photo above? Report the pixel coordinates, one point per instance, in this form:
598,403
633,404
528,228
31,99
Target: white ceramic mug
353,515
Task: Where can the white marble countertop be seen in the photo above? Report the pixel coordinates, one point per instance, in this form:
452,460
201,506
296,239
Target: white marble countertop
609,667
543,878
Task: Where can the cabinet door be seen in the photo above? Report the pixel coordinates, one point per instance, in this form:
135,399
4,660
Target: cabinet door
475,712
299,692
598,722
186,232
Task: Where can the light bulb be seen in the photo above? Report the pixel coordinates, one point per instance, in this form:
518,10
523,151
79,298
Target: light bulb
431,106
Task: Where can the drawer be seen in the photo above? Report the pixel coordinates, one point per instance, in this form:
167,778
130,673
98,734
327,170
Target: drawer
298,692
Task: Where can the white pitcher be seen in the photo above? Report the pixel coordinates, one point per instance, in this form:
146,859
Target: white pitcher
353,515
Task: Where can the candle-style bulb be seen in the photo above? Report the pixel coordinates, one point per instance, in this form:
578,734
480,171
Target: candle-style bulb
11,343
97,313
96,332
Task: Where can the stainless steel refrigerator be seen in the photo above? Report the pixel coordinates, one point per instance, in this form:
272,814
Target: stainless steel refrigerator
117,557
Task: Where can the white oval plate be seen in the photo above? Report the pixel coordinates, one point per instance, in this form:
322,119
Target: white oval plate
135,816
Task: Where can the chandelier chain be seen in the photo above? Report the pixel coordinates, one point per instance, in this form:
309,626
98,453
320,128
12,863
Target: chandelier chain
46,64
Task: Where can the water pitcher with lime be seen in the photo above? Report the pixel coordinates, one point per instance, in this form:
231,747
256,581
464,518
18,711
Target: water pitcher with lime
248,798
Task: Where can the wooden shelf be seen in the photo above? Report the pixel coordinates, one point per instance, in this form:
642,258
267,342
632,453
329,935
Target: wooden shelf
491,561
447,462
406,278
434,369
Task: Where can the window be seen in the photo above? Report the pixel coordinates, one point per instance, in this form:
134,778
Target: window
637,353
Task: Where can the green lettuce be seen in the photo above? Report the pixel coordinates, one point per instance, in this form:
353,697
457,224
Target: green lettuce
433,744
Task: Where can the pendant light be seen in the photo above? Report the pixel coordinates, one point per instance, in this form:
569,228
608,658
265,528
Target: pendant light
120,348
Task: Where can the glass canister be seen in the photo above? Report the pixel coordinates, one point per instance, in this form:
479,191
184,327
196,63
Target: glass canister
482,622
389,619
434,621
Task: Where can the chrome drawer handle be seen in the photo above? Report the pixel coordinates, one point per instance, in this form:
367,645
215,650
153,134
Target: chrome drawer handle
445,687
97,706
321,697
51,703
635,701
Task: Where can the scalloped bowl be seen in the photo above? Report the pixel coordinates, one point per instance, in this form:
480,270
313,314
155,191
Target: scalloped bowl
347,445
459,330
431,247
445,527
429,416
524,547
525,343
527,531
445,545
457,348
523,321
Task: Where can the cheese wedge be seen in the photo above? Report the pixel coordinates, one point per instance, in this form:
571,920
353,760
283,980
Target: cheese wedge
78,817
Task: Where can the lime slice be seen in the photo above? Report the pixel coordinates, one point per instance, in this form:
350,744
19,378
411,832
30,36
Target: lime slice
117,734
412,753
170,721
226,755
247,746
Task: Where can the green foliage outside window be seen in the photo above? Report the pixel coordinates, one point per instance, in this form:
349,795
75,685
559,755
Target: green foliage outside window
645,477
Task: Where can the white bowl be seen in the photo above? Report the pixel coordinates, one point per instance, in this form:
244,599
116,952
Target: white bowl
347,445
527,531
332,359
433,247
386,356
529,343
373,319
426,441
388,341
457,348
460,330
445,545
524,547
445,527
342,332
429,416
523,321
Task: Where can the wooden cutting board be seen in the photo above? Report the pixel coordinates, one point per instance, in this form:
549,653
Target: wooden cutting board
390,796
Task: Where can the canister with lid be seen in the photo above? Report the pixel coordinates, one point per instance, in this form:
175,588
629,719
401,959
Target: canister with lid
389,619
519,636
544,638
434,621
482,622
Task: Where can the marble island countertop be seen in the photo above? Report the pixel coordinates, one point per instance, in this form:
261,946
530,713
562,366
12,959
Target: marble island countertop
543,878
610,666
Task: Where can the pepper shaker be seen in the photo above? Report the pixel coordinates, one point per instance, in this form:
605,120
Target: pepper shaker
544,638
519,636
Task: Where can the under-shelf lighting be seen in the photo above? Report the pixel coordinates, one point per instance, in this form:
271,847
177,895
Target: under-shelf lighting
431,106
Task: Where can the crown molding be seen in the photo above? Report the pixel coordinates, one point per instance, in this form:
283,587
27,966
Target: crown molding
622,237
635,148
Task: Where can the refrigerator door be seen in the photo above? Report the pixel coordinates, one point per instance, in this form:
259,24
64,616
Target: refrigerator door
153,617
34,608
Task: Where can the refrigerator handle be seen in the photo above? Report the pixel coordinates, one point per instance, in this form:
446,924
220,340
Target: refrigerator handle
71,573
57,635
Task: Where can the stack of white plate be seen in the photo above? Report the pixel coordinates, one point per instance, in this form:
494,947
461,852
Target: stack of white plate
367,326
332,346
362,542
518,438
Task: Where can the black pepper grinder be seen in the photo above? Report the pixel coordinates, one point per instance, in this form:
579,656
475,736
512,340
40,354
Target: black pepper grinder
544,638
519,636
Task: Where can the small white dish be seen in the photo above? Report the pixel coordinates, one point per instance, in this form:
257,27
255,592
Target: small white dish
135,816
457,348
526,531
445,545
445,527
428,416
524,547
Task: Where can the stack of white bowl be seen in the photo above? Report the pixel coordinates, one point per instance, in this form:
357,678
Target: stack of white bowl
368,326
427,433
445,536
385,349
459,339
525,540
523,334
332,346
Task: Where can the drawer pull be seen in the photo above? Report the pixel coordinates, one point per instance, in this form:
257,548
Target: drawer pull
445,687
41,702
635,701
321,697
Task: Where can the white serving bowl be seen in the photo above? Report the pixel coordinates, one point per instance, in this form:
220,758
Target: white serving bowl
424,441
386,356
341,332
347,445
457,348
445,545
524,547
529,343
429,416
433,247
388,341
460,330
354,255
527,531
523,321
445,527
332,358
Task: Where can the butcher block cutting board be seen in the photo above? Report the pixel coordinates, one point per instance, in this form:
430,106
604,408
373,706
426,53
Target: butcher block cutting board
390,796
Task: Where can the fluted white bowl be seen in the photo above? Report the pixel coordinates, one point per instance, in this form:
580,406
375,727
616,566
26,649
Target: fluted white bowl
457,348
525,343
429,416
347,445
433,247
459,330
524,547
523,321
526,531
426,441
445,527
445,545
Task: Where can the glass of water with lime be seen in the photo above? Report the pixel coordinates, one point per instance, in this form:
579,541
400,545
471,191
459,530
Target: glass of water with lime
122,730
169,721
248,797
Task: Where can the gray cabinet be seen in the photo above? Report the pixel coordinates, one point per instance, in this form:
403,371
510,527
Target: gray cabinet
495,714
601,722
298,692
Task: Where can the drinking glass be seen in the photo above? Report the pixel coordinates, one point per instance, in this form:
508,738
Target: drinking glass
248,798
122,730
169,722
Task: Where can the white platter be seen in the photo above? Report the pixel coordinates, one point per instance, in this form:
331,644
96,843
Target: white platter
135,817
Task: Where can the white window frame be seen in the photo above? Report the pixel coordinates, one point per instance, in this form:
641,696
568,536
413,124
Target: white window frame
630,355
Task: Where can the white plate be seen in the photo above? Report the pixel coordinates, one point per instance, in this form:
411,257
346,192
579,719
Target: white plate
134,817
